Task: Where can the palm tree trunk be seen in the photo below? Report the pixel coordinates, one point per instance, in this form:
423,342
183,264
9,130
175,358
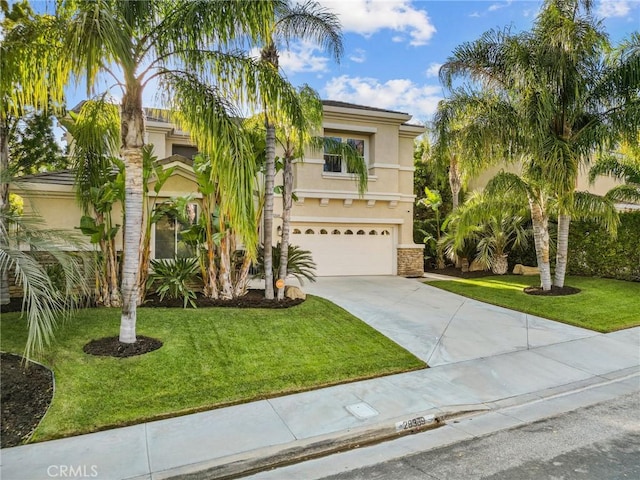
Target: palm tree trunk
500,264
145,248
113,287
540,223
562,249
209,272
226,290
455,182
287,203
242,281
4,207
270,172
132,132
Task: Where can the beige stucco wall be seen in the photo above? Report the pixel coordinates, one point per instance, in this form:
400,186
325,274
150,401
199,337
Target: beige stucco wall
333,197
600,187
57,207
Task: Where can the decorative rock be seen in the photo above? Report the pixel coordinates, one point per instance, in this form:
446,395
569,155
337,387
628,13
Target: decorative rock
476,267
520,269
464,264
294,293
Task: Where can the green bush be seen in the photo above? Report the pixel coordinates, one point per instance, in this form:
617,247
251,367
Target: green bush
173,278
593,252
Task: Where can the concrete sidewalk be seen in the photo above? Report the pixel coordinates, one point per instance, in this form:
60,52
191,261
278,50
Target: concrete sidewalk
483,358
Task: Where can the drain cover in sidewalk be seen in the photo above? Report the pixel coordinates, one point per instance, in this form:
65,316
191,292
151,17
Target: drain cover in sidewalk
362,410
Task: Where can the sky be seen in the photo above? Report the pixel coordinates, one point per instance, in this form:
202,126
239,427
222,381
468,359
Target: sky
393,48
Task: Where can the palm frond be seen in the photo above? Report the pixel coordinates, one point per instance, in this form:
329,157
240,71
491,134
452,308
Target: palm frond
313,22
624,193
594,207
43,302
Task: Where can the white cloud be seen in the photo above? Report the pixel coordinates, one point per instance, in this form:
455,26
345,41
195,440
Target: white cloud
358,56
498,6
474,15
367,17
613,8
303,57
398,94
434,69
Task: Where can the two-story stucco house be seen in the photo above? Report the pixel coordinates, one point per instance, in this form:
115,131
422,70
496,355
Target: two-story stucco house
348,234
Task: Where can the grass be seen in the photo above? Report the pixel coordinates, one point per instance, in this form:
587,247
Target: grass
210,358
603,305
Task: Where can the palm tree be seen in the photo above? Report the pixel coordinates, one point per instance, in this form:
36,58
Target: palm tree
496,224
457,147
555,100
308,21
294,143
99,185
191,48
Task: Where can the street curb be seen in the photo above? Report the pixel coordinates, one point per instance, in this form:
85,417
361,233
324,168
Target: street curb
298,451
267,458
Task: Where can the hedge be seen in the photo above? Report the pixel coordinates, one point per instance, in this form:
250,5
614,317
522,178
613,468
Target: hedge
593,252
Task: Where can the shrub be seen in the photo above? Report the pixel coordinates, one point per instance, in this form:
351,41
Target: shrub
593,252
173,278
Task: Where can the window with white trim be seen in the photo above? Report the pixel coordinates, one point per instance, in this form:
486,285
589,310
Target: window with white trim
333,163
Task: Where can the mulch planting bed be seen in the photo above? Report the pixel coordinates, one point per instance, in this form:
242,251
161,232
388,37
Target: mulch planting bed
27,391
113,347
252,299
554,292
457,272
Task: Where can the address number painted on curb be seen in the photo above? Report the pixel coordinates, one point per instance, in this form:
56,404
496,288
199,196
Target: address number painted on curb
414,423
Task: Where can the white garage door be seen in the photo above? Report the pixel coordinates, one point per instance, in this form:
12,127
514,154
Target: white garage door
340,250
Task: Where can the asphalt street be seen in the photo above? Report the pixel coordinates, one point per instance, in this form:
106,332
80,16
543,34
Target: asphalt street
601,442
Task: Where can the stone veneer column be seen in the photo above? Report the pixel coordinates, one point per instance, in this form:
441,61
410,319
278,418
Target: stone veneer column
411,261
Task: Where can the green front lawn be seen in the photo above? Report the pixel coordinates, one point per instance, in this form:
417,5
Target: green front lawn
603,305
211,357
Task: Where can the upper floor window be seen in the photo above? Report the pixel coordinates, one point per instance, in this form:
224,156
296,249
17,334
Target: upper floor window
187,151
333,162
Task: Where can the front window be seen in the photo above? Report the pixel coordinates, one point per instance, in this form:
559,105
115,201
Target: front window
168,238
334,163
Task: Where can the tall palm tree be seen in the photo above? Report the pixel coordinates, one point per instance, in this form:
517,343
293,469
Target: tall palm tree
460,144
294,142
306,21
556,100
192,49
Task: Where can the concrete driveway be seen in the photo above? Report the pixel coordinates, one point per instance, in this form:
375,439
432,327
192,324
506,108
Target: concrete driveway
437,326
